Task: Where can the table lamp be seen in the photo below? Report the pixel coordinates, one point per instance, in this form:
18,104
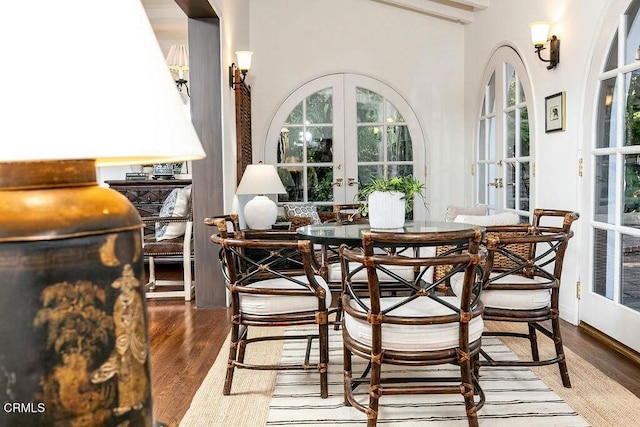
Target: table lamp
260,213
73,333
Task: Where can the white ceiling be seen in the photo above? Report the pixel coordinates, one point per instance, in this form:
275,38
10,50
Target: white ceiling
170,23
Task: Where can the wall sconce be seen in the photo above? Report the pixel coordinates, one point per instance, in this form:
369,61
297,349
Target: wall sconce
243,57
539,37
178,60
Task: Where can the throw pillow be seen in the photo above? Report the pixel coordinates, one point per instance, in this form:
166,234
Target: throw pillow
176,204
504,218
453,211
307,210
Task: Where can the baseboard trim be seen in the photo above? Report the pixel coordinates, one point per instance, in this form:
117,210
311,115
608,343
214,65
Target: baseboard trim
627,352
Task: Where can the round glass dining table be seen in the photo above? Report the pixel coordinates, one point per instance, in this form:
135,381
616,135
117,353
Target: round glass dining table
335,234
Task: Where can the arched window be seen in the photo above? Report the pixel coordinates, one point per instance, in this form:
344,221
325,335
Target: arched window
502,165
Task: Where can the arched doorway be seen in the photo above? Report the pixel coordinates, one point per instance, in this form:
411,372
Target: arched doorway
337,132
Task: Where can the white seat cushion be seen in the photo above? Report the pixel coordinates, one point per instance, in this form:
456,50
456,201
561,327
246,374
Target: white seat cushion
453,211
334,273
414,337
526,299
504,218
277,304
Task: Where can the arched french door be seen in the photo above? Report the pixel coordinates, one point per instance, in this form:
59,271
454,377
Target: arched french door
337,132
610,299
503,156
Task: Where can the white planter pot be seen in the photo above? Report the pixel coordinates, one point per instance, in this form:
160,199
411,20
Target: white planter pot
386,209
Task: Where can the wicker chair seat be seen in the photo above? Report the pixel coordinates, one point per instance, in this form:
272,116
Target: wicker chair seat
510,299
261,304
419,337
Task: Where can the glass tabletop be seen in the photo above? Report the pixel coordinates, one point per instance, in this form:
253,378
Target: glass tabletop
351,234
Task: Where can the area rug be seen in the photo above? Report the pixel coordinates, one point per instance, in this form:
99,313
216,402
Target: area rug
514,396
598,400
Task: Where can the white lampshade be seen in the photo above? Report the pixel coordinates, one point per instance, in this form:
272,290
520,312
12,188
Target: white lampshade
539,33
260,179
243,58
260,213
116,102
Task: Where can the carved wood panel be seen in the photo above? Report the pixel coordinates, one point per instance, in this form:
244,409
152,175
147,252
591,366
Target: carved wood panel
243,125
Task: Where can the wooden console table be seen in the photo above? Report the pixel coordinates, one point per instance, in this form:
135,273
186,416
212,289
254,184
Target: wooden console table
147,195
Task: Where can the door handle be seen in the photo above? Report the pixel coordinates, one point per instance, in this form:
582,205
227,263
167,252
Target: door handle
497,183
338,182
351,182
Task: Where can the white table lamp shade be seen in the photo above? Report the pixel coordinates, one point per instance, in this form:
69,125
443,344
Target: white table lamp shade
260,213
116,103
260,179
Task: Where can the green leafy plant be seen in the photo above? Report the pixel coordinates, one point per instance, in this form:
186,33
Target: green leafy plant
408,185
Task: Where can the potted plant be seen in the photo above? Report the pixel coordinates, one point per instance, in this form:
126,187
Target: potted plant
387,201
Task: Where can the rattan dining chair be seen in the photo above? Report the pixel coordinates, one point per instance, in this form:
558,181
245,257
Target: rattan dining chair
417,328
272,282
524,284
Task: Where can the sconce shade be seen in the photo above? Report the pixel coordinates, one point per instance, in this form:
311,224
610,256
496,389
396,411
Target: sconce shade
540,37
539,33
178,58
244,59
98,116
260,179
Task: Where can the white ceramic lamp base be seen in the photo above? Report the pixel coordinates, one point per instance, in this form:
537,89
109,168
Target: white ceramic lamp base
260,213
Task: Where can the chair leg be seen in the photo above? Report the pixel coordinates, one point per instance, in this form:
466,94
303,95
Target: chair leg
336,326
152,274
562,363
533,339
467,391
347,372
235,329
186,262
242,348
323,344
374,391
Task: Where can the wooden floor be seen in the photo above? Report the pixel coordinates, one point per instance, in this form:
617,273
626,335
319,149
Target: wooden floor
185,342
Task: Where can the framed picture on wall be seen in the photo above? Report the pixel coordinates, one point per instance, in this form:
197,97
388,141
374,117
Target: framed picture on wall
554,113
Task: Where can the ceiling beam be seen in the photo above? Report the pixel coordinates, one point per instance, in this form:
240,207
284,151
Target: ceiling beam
459,11
476,4
197,9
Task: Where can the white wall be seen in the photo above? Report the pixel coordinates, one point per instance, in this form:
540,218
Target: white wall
295,41
557,184
437,66
234,23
